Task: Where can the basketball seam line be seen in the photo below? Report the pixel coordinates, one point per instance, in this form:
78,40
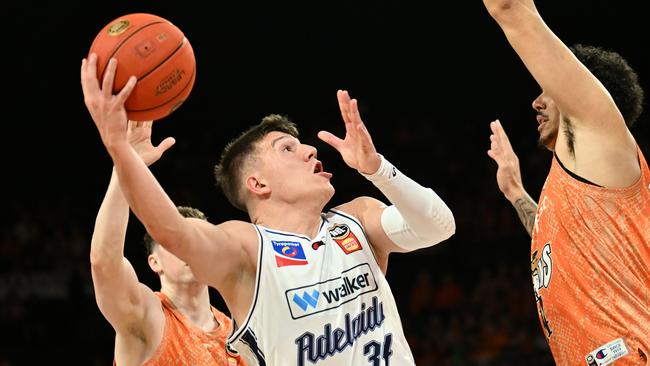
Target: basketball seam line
117,47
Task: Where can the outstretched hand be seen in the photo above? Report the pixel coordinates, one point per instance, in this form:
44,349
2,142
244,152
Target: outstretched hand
139,136
508,171
107,109
356,148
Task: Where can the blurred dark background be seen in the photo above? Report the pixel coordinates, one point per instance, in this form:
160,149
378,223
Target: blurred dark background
429,77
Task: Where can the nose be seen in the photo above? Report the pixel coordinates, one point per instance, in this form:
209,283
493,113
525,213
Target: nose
538,103
310,152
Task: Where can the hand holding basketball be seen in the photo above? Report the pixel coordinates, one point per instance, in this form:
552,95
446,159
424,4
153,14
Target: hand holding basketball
157,53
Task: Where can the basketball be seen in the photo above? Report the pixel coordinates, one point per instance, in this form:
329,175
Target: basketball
157,53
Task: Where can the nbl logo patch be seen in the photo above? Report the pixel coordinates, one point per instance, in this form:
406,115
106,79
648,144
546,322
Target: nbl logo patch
345,238
288,253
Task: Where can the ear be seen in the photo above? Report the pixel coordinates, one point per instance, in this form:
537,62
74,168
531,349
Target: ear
257,186
154,263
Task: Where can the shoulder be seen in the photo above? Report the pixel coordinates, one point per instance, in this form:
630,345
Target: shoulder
360,206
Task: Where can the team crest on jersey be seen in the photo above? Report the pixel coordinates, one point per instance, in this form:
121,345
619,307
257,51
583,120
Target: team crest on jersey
542,270
288,253
345,238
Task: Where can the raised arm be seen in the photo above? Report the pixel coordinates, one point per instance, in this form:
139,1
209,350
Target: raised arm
195,241
122,299
509,176
578,94
417,217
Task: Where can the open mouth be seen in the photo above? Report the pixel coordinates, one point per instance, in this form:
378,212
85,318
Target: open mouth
318,168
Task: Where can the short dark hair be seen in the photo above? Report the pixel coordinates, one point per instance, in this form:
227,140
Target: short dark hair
616,76
228,172
186,211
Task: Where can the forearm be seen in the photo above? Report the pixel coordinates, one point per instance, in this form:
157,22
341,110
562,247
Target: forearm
107,245
419,217
526,208
145,196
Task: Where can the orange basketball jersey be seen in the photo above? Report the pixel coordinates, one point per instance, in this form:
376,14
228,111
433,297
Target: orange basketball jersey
184,344
590,262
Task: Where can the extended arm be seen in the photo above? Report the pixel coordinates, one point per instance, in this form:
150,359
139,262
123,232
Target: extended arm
120,296
578,94
417,217
195,241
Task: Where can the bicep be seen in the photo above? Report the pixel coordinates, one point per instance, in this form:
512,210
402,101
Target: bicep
369,211
576,91
217,252
121,298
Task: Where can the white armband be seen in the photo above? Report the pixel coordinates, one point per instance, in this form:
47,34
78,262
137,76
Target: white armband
418,218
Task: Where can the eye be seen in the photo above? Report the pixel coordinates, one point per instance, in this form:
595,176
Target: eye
287,148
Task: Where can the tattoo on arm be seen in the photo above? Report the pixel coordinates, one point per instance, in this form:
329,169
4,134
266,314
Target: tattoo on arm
526,209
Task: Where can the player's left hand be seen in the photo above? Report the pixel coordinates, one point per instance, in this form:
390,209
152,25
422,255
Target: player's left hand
356,148
139,135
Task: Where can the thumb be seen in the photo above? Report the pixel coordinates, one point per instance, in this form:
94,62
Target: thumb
493,155
330,139
166,144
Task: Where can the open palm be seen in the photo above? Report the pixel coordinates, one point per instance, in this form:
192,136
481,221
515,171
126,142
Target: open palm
356,148
139,136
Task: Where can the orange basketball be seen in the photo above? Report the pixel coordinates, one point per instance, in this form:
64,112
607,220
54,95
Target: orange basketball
157,53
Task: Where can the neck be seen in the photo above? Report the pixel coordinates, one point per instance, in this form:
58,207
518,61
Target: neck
193,301
303,220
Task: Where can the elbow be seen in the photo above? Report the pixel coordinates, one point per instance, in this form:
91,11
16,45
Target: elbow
499,9
96,262
451,224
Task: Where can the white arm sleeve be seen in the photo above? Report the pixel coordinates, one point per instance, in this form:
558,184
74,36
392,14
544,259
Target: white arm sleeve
417,218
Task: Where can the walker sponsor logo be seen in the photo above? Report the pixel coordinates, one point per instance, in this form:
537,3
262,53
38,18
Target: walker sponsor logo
288,253
313,348
309,300
306,299
345,238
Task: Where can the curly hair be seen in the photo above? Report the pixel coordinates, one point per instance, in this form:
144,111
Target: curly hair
186,211
228,172
616,76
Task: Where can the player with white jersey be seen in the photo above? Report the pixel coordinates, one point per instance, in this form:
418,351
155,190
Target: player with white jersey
329,297
294,304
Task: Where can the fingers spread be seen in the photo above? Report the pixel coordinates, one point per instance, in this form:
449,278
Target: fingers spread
109,78
330,139
89,81
166,144
126,91
344,105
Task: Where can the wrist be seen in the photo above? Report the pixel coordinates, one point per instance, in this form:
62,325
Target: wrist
385,171
514,193
374,165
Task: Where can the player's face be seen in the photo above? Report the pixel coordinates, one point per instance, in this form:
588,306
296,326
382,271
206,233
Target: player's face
292,168
548,120
172,268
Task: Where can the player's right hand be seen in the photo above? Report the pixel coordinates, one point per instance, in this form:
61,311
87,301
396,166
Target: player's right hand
107,109
508,171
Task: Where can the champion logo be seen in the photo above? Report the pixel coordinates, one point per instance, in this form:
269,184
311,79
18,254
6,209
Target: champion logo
306,299
601,354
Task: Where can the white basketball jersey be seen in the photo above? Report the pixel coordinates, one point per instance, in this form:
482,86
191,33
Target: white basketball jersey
321,301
